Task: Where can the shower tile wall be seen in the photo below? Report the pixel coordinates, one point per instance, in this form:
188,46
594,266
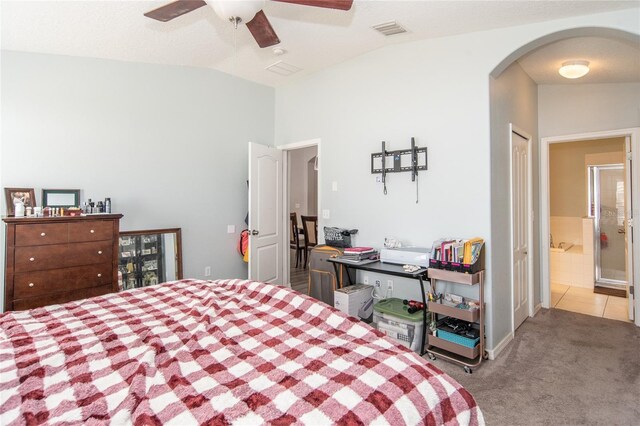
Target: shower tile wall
575,266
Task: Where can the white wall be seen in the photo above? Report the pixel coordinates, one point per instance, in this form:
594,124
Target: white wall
167,144
438,91
514,99
299,180
571,109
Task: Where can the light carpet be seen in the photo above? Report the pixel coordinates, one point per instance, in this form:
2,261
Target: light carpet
562,368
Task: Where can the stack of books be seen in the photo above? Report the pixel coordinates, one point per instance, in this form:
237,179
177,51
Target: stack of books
457,251
360,254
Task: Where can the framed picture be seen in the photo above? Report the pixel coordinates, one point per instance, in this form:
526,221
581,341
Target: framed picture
26,195
60,198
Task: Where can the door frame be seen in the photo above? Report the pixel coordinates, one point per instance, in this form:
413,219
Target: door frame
285,182
545,273
514,129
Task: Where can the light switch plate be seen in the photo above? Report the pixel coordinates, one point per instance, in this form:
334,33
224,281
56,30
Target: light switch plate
326,214
231,229
334,186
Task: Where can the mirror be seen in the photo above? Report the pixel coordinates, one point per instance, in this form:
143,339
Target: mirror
149,257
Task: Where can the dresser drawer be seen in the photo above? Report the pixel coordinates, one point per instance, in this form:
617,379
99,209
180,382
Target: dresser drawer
36,235
62,297
91,230
80,254
39,283
37,258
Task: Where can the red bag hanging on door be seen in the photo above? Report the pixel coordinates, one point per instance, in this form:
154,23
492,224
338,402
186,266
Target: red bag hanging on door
243,245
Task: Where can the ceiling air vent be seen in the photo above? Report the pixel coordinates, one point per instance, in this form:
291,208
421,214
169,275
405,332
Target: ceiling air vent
389,28
283,68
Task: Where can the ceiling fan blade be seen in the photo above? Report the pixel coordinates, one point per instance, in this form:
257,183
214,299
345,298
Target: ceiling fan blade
262,30
173,10
330,4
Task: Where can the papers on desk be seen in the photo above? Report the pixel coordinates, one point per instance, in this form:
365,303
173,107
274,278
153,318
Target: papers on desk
357,262
360,255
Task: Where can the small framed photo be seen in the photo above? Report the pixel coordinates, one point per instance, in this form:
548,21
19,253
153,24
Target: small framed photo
61,198
146,251
13,195
126,254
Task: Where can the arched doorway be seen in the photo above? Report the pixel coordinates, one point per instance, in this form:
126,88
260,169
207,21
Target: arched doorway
514,100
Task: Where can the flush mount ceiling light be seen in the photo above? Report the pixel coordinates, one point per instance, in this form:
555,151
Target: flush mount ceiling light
574,69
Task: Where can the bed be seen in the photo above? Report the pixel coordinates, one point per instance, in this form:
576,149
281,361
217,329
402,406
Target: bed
214,352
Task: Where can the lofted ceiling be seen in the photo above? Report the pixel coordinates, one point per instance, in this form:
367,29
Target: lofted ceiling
312,38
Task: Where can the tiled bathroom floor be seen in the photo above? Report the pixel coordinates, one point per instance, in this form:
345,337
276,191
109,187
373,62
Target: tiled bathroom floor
585,301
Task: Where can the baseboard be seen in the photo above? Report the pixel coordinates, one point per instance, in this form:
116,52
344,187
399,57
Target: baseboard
493,353
537,309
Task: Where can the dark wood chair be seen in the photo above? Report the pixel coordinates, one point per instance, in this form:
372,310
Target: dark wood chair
310,228
294,238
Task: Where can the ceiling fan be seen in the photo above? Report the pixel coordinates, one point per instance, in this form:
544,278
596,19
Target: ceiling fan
237,11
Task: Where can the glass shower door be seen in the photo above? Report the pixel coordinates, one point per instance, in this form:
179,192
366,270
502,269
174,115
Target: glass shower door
608,207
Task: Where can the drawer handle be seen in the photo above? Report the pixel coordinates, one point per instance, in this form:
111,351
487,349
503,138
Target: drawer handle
99,275
31,284
92,231
99,251
31,259
42,234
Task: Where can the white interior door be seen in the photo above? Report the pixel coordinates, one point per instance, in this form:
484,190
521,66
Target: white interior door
629,226
520,231
265,214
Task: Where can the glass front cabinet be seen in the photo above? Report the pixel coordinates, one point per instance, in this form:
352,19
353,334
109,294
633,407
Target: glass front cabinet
149,257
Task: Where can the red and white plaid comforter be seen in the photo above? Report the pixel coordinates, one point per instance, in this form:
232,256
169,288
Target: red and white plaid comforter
222,352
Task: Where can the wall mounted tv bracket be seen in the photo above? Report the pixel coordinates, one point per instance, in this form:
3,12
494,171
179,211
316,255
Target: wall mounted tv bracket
403,160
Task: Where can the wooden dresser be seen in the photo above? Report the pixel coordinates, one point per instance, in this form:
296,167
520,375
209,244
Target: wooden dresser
59,259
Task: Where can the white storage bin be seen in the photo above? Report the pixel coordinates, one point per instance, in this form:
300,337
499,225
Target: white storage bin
405,331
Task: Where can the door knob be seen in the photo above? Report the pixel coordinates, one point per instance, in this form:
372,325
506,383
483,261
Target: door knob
254,232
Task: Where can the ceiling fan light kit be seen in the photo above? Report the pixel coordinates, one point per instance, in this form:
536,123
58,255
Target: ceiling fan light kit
574,69
236,11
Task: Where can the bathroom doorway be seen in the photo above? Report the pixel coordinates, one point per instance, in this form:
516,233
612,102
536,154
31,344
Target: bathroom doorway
588,207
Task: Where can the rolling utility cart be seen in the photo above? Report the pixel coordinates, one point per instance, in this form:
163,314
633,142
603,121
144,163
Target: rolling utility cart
446,344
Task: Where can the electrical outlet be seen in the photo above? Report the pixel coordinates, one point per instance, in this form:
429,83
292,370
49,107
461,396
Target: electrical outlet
378,283
207,271
389,288
365,280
